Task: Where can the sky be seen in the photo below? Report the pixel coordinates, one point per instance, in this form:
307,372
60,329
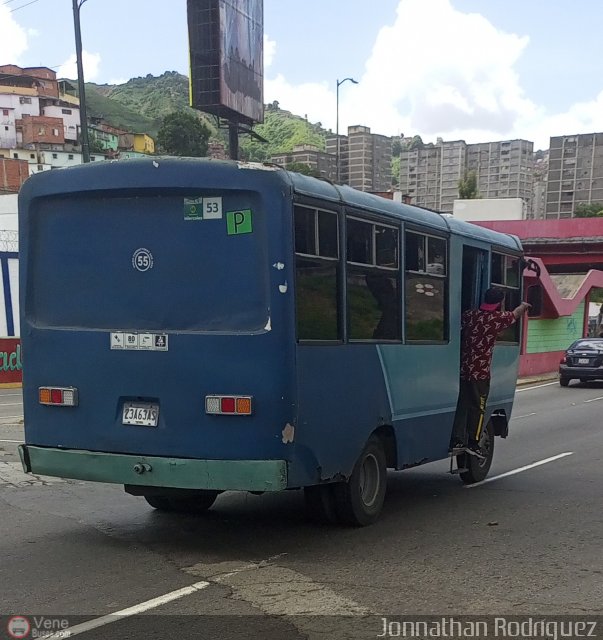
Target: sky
475,70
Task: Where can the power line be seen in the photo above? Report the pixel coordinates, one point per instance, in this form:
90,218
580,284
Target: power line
7,2
23,6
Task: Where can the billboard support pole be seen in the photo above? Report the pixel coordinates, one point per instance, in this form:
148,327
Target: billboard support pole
233,140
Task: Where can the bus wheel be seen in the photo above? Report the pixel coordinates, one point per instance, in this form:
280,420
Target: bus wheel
320,503
476,470
359,500
198,503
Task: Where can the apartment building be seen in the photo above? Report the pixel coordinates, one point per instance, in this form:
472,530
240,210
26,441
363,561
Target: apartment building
321,163
575,174
420,176
504,169
430,174
365,159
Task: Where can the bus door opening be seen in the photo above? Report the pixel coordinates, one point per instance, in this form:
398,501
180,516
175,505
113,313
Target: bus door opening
473,277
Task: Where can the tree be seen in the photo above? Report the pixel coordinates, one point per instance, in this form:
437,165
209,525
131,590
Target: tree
416,143
396,147
468,186
592,210
300,167
183,134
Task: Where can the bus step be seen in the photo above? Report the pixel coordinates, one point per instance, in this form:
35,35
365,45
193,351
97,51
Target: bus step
456,452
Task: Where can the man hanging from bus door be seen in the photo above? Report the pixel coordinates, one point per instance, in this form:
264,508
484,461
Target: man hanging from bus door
479,330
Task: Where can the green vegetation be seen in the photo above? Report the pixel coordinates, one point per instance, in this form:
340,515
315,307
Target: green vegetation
468,186
183,134
140,105
592,210
396,171
100,106
283,131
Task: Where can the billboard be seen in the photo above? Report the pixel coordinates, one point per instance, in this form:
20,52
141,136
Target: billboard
226,43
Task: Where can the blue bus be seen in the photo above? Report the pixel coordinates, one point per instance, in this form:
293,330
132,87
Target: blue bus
192,326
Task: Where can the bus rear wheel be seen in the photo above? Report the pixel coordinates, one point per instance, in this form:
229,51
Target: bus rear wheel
359,500
476,470
198,503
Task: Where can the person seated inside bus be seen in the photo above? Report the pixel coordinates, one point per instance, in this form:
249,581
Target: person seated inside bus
383,291
479,330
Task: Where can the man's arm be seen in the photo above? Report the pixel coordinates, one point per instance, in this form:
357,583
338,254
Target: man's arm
521,309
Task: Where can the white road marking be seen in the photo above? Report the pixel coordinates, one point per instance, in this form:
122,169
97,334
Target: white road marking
538,386
526,416
526,468
130,611
593,399
13,441
11,404
10,417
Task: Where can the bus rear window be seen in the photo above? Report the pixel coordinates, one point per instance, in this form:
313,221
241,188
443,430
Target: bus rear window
138,263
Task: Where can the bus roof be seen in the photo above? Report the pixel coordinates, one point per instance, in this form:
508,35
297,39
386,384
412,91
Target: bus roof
130,174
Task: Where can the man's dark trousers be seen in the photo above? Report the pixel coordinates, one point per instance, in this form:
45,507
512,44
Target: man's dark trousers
470,409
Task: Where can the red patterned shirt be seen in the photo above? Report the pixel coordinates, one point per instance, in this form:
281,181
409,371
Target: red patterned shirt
479,332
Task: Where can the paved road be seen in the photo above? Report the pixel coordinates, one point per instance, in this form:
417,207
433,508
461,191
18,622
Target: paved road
526,543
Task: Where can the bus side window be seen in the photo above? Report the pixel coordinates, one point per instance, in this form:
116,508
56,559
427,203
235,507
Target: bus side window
316,273
505,274
373,281
426,287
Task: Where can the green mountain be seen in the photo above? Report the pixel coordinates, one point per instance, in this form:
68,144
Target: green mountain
140,104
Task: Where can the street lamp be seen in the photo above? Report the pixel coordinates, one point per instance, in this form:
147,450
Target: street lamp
77,4
339,83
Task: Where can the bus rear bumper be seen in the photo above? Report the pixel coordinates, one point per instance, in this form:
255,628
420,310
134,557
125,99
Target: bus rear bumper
155,471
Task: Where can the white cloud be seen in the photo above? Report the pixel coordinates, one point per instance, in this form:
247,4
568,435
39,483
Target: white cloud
439,72
91,62
13,42
269,51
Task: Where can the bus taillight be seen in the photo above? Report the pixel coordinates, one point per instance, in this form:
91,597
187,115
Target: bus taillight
58,396
228,405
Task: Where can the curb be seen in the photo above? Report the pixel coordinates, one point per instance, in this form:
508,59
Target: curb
549,377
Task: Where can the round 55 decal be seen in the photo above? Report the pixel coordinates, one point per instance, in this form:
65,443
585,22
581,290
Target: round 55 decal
142,260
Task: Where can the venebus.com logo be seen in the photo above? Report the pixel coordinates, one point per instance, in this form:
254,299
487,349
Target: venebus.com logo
22,628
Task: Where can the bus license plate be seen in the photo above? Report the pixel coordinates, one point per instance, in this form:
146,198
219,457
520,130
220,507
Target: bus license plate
142,414
583,360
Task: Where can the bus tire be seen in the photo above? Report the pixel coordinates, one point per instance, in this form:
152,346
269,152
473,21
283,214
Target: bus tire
190,504
320,503
359,500
476,469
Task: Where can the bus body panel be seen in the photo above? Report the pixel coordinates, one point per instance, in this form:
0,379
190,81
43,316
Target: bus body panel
222,300
342,399
223,292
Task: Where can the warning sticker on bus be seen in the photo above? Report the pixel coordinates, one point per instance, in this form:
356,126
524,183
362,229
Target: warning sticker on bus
139,341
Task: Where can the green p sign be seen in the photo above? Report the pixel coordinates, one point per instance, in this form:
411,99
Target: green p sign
238,222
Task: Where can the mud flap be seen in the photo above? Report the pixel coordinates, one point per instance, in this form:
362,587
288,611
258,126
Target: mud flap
500,424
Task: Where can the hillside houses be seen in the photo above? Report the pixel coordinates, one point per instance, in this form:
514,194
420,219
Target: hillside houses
40,125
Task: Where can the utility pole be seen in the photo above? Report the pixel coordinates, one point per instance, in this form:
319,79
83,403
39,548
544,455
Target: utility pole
77,4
